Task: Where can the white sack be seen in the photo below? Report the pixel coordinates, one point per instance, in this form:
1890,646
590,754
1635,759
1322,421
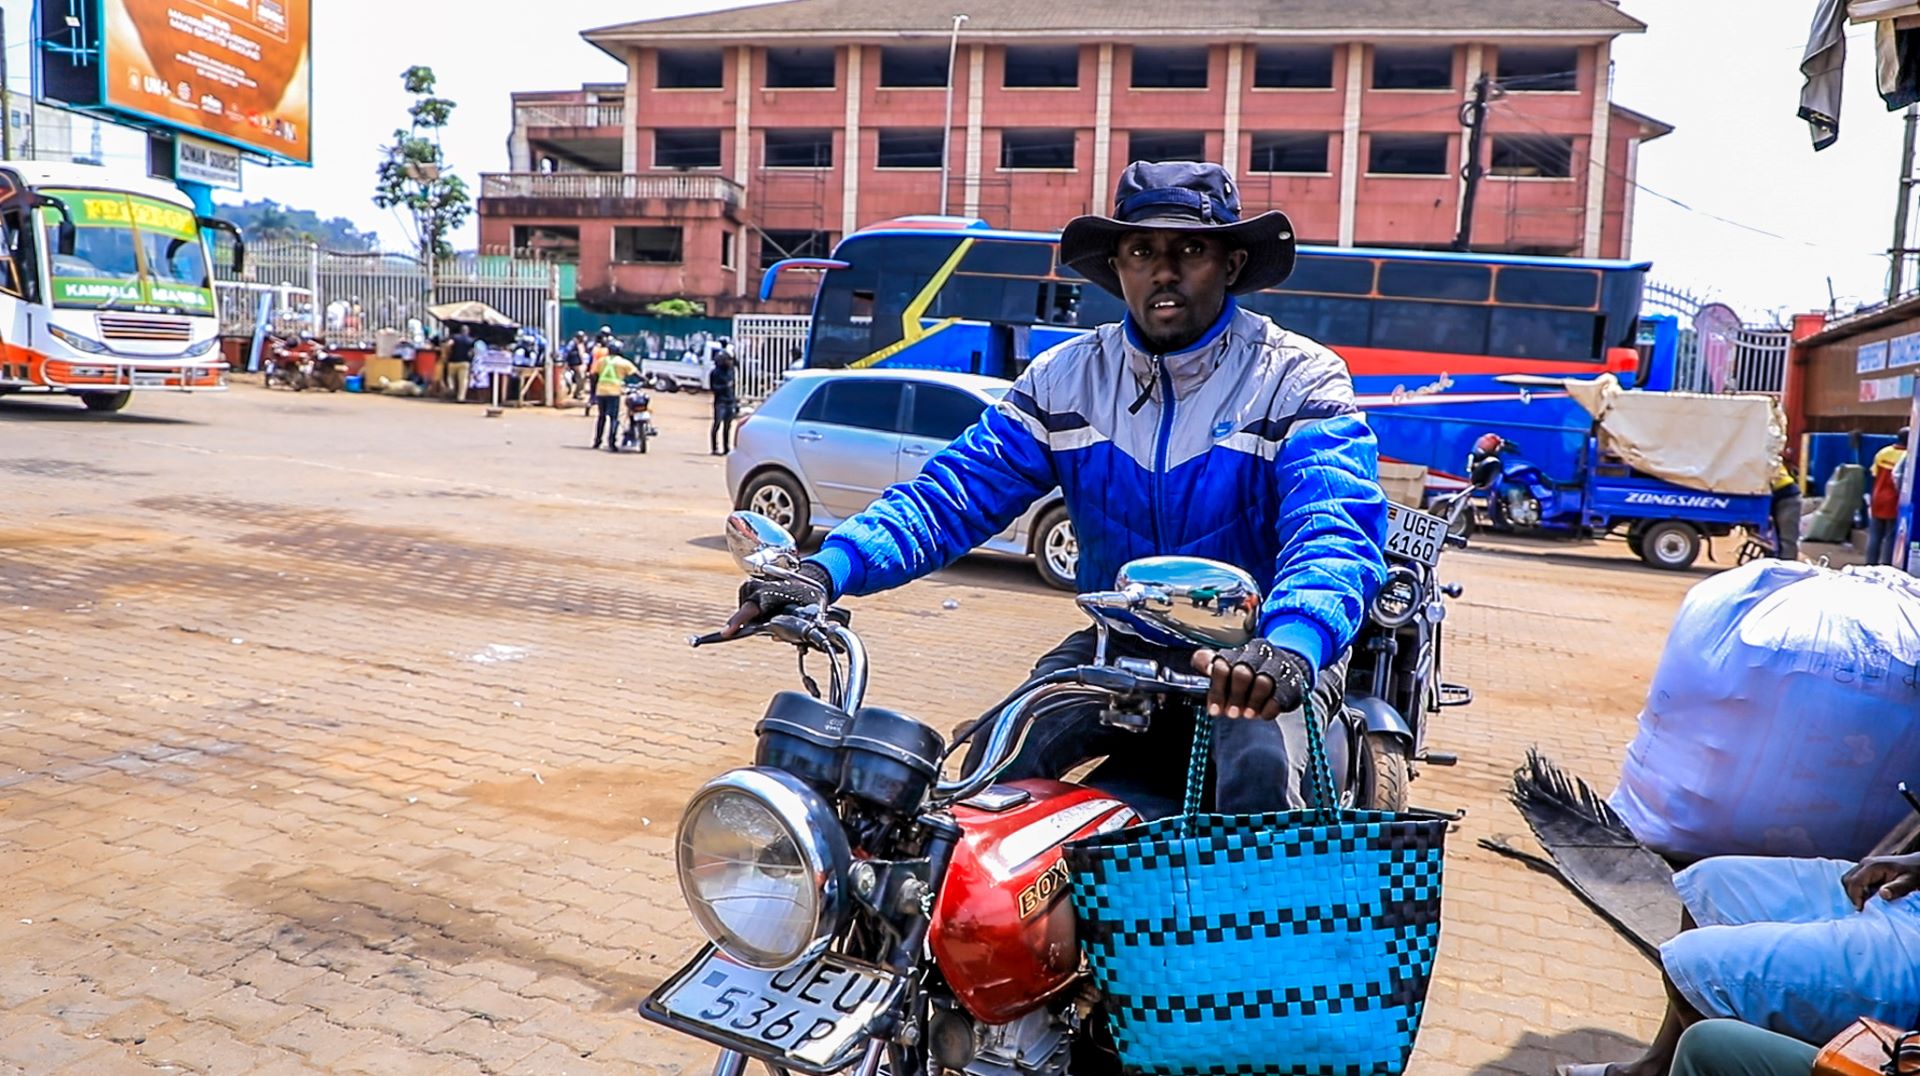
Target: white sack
1783,716
1721,444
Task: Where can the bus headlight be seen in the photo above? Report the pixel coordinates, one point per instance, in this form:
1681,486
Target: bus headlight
763,863
194,351
77,342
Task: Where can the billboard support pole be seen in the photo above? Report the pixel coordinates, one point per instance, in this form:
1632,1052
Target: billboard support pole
201,195
6,100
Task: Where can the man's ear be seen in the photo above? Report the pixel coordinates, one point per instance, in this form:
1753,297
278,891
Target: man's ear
1236,261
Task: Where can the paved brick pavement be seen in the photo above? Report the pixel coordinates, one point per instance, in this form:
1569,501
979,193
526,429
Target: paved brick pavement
347,734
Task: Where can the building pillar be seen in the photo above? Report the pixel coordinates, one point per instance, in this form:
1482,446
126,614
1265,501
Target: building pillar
1476,66
630,129
1230,134
1626,212
1597,149
1102,129
850,148
1350,143
976,98
742,155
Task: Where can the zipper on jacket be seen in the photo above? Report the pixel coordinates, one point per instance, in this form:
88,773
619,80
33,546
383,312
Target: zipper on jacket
1158,483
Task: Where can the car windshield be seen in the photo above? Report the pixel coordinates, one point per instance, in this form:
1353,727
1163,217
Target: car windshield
130,252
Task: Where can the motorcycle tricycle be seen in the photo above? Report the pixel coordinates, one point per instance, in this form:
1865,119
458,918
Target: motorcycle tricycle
861,910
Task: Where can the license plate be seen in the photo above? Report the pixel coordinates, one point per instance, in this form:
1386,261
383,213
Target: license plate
1415,535
150,381
645,416
813,1018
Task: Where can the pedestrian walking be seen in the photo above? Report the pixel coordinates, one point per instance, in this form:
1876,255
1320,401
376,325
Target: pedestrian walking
459,364
610,372
726,405
1786,513
1883,505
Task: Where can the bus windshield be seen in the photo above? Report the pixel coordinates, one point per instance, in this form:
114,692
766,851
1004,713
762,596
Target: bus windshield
129,252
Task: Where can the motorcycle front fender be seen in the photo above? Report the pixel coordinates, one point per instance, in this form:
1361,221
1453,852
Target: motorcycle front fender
1377,716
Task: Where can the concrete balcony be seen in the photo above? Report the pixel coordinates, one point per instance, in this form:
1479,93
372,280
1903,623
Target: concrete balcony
626,195
584,116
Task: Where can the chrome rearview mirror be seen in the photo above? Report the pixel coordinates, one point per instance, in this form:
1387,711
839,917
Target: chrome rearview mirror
762,548
1200,602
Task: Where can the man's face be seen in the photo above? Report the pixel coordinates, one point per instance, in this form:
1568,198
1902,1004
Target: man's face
1175,283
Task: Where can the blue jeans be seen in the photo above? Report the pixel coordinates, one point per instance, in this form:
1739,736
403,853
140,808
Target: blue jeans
1880,540
1731,1048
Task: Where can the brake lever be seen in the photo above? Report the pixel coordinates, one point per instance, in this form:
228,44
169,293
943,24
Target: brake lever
713,637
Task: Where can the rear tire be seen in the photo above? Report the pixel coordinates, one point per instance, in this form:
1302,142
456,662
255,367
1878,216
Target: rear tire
106,402
1056,550
778,496
1670,545
1392,771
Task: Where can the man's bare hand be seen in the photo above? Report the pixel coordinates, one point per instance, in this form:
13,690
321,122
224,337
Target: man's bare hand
1892,877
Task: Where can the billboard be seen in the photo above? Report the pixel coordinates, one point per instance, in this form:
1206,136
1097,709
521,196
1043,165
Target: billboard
233,70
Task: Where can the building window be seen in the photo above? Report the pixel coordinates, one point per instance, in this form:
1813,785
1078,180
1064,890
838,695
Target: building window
1048,66
1544,156
1537,70
1166,146
1169,67
689,69
793,68
777,244
910,66
1407,155
1293,67
559,243
908,147
1415,68
726,250
686,148
661,245
1037,147
799,147
1289,151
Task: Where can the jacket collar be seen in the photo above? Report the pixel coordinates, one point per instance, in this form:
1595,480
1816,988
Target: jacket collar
1188,367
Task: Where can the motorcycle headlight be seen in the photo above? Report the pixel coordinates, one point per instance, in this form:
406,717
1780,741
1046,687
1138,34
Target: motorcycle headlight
194,351
77,342
1399,597
763,865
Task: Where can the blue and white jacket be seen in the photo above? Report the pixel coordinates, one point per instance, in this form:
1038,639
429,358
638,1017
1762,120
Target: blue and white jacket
1245,448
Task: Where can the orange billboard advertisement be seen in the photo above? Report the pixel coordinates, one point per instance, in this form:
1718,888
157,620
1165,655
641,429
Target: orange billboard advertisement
235,70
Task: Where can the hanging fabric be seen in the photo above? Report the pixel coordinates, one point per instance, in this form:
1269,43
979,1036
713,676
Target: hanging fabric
1824,67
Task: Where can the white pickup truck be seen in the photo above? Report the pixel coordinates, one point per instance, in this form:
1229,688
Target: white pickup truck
672,375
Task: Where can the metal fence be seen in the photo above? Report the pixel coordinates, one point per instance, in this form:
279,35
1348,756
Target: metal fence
288,309
1756,361
766,346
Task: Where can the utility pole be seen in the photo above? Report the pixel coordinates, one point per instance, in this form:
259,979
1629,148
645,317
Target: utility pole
1896,280
946,129
6,97
1473,116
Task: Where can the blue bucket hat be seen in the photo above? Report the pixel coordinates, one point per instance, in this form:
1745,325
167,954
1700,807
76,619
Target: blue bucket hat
1182,196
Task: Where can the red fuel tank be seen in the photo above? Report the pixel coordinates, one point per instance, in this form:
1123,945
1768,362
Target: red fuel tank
1003,929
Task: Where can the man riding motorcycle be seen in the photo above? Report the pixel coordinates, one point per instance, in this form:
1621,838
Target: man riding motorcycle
1192,427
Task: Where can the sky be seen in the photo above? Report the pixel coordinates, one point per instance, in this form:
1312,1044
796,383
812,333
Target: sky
1736,205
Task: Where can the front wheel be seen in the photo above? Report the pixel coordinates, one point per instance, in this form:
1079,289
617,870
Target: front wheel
778,496
106,401
1056,551
1392,771
1670,545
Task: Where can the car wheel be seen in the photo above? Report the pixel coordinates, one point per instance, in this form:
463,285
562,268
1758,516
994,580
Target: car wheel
1056,551
1670,545
106,401
778,496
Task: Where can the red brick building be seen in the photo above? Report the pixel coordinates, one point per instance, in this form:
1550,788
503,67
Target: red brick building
744,136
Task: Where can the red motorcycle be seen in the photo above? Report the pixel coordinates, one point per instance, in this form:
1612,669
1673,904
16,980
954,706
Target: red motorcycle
861,911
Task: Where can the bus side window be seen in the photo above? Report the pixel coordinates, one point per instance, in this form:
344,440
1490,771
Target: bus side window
17,276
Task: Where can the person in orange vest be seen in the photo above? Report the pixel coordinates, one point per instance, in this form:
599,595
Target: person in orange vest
609,376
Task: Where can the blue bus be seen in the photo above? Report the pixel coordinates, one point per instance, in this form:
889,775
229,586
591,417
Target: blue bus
1426,334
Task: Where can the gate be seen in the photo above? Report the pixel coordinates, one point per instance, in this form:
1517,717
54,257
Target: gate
1758,359
766,347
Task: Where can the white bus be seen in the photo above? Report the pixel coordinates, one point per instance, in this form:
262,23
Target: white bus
106,285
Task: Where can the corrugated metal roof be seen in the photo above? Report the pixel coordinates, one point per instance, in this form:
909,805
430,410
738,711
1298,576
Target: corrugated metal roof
986,18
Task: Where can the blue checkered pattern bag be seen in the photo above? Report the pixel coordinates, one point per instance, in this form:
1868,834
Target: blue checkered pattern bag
1297,943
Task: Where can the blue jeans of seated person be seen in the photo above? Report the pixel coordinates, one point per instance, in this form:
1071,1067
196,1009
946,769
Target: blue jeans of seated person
1731,1048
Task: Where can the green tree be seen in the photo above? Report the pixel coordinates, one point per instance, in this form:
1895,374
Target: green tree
413,174
676,308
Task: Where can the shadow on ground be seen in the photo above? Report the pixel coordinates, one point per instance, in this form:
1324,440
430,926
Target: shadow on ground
56,409
1537,1054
